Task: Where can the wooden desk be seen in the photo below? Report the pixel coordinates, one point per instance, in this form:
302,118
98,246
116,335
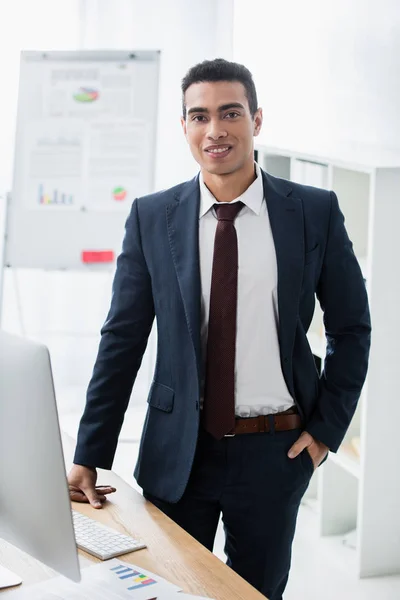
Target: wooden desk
170,552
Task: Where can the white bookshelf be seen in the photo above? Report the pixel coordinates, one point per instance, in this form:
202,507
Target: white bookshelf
359,489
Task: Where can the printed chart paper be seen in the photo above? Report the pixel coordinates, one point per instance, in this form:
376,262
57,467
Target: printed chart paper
82,146
110,580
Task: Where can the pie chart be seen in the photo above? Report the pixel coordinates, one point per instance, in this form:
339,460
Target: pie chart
119,194
85,94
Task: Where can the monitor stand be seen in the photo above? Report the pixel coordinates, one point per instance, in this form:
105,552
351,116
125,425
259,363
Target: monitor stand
8,578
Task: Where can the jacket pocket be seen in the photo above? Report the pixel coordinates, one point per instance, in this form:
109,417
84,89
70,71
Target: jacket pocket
161,397
312,255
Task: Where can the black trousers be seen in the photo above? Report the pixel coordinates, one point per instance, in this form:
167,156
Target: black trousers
257,488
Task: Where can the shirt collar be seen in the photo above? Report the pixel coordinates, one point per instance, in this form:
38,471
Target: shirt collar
252,197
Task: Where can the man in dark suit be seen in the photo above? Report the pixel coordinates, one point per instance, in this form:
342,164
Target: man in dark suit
229,264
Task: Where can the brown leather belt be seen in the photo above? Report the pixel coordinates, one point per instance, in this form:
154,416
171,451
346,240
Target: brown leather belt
261,424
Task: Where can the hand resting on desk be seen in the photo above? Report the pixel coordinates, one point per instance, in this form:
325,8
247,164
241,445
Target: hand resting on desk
82,486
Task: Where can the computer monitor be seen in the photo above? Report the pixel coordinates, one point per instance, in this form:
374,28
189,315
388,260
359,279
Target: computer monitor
35,510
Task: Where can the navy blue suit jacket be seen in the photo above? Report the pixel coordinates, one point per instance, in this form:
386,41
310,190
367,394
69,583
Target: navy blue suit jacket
158,275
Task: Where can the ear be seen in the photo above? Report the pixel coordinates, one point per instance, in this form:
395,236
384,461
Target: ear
183,123
258,119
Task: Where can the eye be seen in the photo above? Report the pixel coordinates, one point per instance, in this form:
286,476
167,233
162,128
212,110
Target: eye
232,115
199,118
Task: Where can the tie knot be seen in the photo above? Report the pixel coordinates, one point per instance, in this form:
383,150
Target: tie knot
227,211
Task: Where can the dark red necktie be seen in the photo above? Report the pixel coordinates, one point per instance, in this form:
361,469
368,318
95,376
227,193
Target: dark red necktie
219,392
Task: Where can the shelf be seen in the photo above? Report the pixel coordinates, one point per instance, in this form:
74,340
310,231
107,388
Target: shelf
347,458
352,492
359,157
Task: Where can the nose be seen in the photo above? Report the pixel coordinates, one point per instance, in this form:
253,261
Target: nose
215,130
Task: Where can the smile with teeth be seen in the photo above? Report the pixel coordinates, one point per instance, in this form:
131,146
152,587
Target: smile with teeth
219,150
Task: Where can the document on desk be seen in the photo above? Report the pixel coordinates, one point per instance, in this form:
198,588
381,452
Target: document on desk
110,580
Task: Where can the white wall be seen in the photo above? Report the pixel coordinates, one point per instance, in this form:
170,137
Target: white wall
186,32
324,69
28,25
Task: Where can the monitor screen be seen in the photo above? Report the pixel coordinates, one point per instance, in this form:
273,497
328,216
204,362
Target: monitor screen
35,510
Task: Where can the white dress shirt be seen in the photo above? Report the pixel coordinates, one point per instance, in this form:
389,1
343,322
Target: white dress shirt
259,384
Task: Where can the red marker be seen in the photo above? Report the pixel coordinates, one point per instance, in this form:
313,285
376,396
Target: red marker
97,256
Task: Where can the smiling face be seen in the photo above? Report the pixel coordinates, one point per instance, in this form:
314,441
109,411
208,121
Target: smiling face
219,126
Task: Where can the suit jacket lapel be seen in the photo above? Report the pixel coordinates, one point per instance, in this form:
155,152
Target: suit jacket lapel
287,224
183,232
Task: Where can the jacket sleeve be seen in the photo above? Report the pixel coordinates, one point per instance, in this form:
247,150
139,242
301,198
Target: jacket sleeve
343,298
123,342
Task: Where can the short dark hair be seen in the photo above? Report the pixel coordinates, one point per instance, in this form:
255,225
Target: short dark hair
220,69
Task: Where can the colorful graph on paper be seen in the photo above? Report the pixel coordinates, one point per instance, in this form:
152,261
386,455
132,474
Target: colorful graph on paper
119,193
54,198
85,94
131,576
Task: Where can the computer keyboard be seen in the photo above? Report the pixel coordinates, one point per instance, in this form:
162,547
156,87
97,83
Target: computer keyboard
101,541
